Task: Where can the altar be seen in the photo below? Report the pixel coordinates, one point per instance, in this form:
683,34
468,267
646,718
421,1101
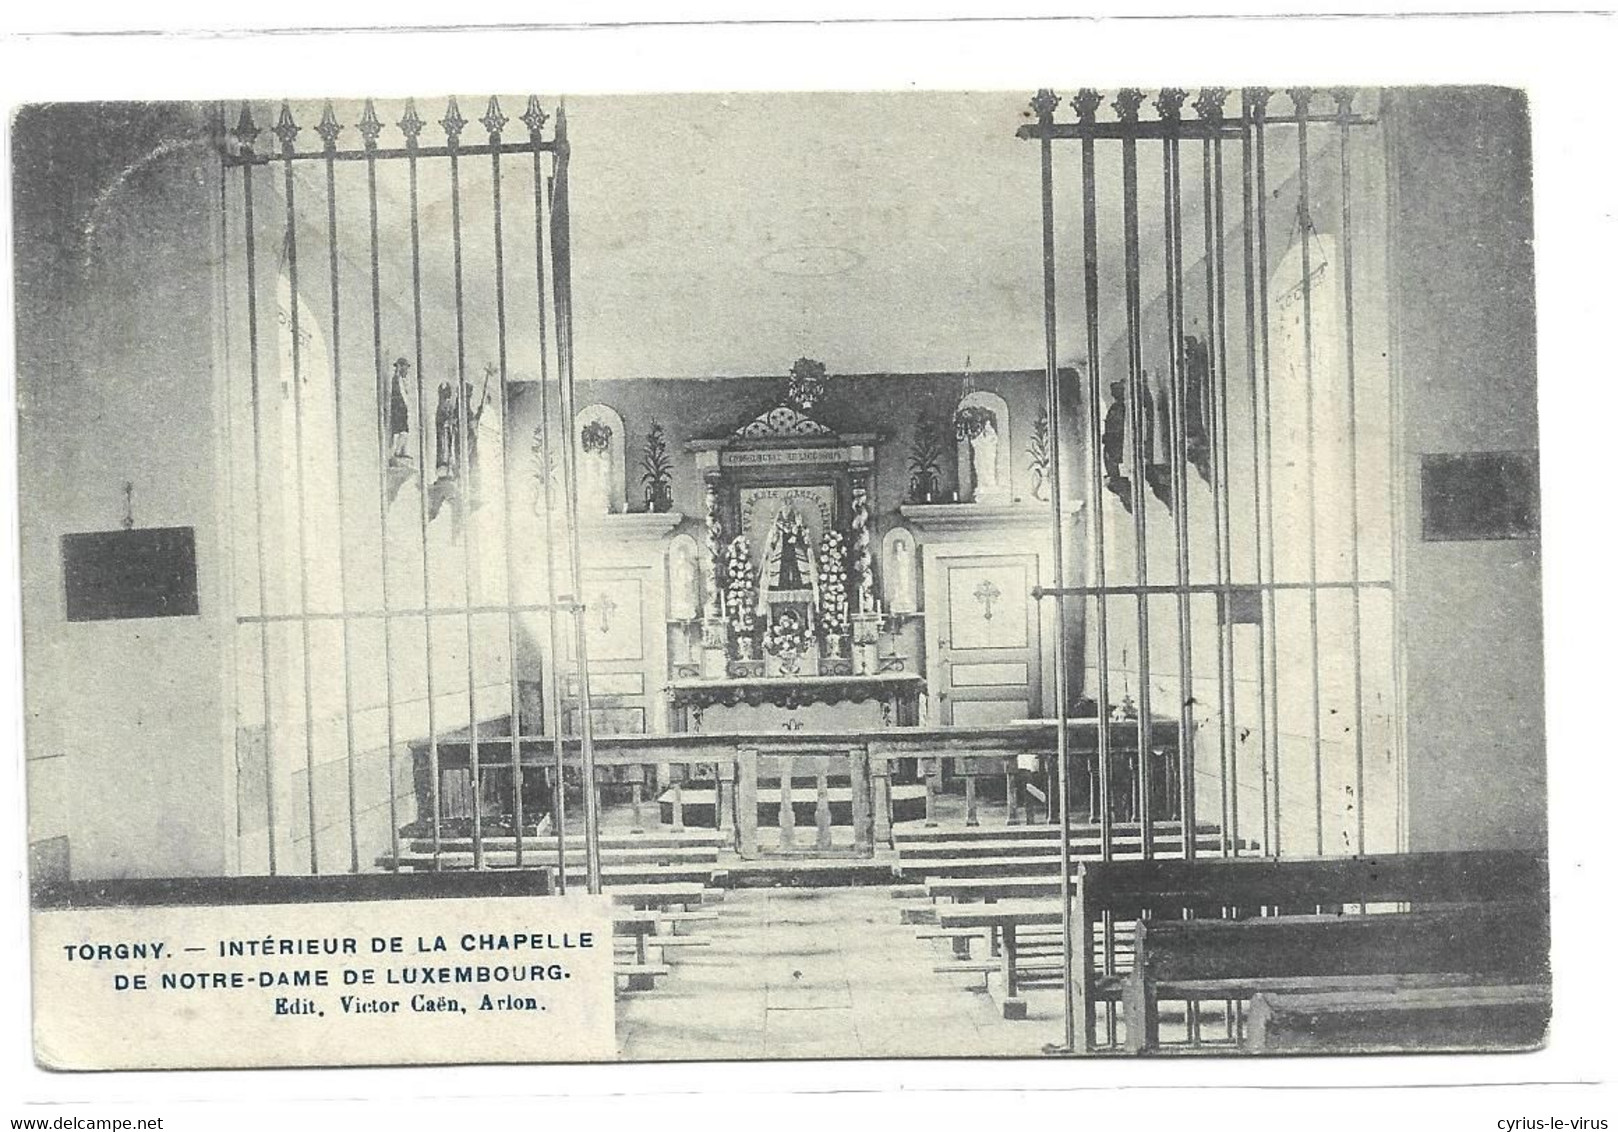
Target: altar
814,704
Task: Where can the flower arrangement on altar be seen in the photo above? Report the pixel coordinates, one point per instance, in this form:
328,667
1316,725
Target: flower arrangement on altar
833,570
788,636
741,586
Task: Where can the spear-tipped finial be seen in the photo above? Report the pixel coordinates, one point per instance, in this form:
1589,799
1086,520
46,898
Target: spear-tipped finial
1300,96
1044,104
246,130
411,123
1343,96
329,126
493,120
534,117
1127,103
1210,103
1168,103
1085,103
370,125
452,121
285,128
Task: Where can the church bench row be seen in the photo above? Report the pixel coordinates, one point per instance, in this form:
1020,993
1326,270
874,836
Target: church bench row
1432,1019
1232,960
1212,889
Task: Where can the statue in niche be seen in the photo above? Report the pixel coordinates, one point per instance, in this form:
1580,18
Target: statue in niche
683,596
903,573
976,426
595,469
398,415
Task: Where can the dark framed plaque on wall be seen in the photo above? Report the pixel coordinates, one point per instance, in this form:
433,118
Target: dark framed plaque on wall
120,575
1473,496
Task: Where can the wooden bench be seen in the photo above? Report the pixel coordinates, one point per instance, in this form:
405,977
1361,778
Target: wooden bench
962,890
1231,960
1234,887
1007,919
1432,1019
682,896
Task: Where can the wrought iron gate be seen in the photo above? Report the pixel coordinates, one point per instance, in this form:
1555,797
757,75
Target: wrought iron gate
381,573
1238,469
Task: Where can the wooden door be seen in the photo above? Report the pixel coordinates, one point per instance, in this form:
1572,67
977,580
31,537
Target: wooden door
988,639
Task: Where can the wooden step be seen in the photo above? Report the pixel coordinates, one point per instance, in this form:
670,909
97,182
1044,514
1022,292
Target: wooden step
915,832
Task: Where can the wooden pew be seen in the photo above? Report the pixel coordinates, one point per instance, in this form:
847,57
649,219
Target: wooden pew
1232,960
1432,1019
1006,919
683,895
1235,886
1044,847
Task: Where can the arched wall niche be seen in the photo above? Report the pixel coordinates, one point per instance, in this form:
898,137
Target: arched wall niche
598,438
983,447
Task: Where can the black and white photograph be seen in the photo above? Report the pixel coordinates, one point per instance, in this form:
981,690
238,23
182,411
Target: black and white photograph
516,576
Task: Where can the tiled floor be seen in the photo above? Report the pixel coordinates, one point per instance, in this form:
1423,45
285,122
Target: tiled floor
802,972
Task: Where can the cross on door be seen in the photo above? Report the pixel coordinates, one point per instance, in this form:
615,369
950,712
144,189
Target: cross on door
988,593
606,605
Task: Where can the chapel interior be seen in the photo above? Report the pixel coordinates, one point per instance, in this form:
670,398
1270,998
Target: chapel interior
825,524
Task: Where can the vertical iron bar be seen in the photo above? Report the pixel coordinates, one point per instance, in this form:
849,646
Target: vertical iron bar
287,130
562,296
1261,97
1044,103
1086,102
370,128
1344,98
1210,106
328,130
453,124
411,124
1250,99
1300,101
246,132
1396,513
494,122
1127,104
1222,453
1168,104
535,118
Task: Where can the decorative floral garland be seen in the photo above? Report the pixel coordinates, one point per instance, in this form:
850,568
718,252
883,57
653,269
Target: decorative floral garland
972,421
833,583
788,635
741,585
595,436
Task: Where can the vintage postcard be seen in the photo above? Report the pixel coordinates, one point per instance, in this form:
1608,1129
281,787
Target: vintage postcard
1017,574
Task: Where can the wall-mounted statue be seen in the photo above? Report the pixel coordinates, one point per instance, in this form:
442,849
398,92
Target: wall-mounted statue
1114,433
899,570
1198,406
983,430
685,593
399,415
